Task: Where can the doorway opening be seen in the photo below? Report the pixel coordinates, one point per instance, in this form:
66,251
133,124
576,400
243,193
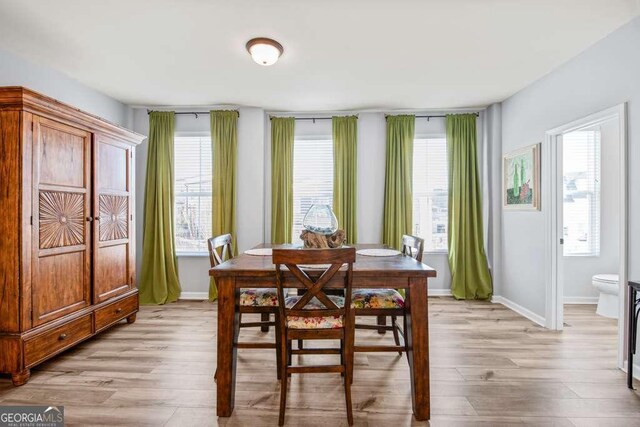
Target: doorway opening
588,226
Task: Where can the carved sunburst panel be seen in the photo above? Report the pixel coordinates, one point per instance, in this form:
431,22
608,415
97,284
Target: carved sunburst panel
61,219
113,217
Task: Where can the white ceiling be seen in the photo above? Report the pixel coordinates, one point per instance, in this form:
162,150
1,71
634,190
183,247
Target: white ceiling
339,55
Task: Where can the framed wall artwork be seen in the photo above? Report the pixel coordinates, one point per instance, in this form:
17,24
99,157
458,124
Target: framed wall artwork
521,179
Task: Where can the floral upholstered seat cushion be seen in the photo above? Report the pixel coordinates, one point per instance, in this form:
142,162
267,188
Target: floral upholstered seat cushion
259,297
320,322
376,298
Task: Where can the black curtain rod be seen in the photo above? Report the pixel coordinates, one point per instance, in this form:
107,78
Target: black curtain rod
385,116
310,118
195,113
440,116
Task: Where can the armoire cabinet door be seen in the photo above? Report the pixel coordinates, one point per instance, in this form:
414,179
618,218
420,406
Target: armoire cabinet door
113,236
61,262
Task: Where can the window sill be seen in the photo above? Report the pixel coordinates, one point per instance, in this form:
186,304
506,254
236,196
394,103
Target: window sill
581,256
192,254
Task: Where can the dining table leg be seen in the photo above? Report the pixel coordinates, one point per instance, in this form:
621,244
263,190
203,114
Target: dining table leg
228,325
417,342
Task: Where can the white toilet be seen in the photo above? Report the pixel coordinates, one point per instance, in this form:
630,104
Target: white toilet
609,287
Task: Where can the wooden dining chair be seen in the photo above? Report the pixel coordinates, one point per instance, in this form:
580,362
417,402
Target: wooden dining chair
315,315
263,301
382,303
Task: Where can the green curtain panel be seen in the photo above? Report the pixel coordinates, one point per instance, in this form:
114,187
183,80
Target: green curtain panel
159,282
398,202
345,168
282,137
470,277
224,140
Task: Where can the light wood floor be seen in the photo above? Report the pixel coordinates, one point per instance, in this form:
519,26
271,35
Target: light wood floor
489,366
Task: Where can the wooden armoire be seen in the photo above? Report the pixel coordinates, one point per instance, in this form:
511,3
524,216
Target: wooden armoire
67,249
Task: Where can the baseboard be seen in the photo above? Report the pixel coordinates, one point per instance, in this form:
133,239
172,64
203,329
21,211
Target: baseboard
197,296
496,299
580,300
439,292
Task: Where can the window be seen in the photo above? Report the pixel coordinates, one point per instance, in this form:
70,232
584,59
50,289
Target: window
192,208
430,193
312,178
581,192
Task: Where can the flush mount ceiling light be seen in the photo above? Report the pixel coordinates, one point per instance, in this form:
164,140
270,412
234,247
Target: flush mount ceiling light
264,51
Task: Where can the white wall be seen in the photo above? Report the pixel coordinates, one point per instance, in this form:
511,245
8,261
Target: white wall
15,71
193,270
250,198
578,270
372,137
603,76
492,181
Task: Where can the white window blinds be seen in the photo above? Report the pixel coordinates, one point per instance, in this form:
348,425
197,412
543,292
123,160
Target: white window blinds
192,208
430,192
312,178
581,192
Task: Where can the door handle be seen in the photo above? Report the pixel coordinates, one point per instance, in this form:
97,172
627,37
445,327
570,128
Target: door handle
97,218
89,219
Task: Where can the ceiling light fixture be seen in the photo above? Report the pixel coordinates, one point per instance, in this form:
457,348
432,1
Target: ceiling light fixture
264,51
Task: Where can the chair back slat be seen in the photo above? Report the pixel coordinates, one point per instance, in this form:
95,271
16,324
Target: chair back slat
312,286
413,246
314,256
217,256
336,258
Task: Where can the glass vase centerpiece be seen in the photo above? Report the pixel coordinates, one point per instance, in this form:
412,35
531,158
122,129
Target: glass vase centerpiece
320,219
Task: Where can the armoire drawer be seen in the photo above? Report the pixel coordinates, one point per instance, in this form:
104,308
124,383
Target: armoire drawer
56,340
118,310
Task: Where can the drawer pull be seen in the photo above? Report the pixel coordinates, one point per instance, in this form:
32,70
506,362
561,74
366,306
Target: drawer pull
62,337
119,310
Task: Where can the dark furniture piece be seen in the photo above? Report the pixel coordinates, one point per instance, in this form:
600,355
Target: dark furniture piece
634,315
400,272
262,301
316,315
67,246
386,302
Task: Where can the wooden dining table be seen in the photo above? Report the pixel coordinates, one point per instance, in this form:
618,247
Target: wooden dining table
399,272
